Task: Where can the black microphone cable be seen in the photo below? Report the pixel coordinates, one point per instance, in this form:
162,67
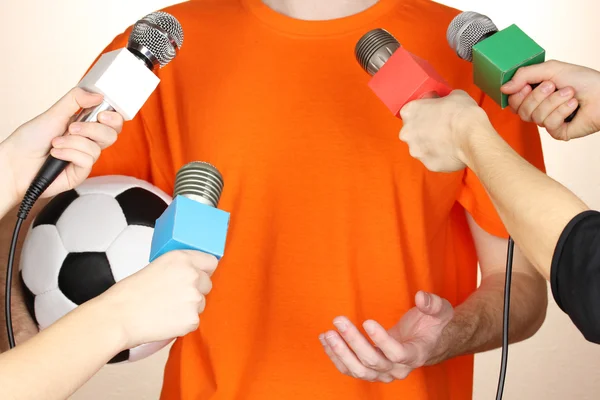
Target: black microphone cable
8,291
31,196
506,318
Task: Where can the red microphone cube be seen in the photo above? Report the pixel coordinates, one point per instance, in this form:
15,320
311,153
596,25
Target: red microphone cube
406,77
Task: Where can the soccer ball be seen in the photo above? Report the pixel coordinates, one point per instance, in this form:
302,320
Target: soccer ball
83,242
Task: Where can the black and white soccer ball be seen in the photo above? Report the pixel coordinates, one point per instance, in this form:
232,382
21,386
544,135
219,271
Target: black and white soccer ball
84,241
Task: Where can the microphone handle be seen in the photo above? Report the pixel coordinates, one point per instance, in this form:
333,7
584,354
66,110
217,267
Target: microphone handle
570,117
53,167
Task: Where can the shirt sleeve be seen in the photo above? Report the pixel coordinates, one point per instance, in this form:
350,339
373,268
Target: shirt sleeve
130,154
575,273
524,138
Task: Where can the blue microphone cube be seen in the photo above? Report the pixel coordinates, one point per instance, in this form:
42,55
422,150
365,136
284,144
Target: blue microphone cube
190,225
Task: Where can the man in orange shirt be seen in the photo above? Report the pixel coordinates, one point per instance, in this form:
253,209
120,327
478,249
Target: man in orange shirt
330,215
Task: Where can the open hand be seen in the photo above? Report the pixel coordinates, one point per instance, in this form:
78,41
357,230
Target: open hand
413,342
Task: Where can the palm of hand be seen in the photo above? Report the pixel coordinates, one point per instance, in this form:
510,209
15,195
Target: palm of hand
414,324
389,355
419,330
28,149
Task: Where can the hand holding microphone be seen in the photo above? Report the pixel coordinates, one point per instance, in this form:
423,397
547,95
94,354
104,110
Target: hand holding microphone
125,78
398,76
437,131
411,89
163,300
192,222
578,87
496,54
160,302
24,151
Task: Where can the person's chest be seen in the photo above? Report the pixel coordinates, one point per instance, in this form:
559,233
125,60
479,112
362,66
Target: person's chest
297,126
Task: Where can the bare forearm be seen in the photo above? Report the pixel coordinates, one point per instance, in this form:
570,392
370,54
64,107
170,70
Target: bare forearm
534,208
23,324
55,363
477,323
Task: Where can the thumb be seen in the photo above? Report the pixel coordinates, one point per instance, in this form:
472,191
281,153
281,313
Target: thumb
530,75
429,95
434,306
72,102
408,110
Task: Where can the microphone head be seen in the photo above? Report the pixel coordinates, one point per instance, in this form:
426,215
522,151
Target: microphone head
374,49
466,30
199,181
157,37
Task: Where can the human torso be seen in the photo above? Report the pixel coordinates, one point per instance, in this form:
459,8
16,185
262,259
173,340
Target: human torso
329,213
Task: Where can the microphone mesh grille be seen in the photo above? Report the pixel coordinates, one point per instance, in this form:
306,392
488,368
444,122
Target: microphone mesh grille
199,179
160,33
466,30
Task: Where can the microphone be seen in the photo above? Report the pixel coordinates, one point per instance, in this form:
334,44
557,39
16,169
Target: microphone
192,221
496,55
398,76
126,78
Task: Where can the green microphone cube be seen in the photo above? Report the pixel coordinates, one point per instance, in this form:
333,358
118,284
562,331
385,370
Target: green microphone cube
497,59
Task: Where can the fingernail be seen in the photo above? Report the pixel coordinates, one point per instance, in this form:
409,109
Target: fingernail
340,325
322,339
75,128
427,299
564,92
331,338
547,87
572,103
58,141
105,117
507,85
369,327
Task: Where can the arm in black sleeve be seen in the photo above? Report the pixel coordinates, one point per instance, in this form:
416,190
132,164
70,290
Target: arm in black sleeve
575,273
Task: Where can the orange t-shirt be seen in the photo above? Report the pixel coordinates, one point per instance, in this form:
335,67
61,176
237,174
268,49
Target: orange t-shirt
329,213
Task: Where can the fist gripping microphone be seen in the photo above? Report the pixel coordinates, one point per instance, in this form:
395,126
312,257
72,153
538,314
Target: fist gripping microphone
397,75
192,221
496,55
125,78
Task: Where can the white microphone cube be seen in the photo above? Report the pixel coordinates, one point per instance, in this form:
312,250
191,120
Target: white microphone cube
123,79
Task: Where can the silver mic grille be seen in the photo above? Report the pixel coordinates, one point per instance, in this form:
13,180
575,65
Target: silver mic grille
466,30
199,181
374,49
157,36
